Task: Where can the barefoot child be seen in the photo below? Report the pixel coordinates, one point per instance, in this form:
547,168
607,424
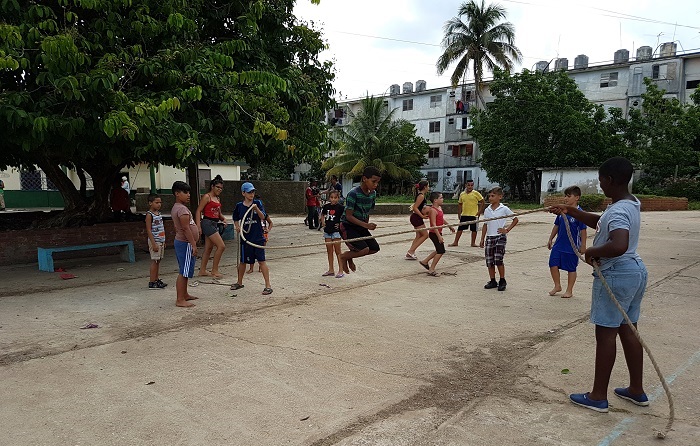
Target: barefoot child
469,207
355,220
563,255
156,240
417,218
208,218
615,251
186,235
495,234
330,222
437,218
252,228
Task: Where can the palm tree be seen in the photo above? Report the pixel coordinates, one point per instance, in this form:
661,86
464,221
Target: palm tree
372,138
478,39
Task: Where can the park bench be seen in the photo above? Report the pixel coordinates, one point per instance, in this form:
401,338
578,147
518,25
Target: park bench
46,254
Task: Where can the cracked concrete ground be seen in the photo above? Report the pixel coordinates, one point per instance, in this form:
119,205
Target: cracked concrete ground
385,356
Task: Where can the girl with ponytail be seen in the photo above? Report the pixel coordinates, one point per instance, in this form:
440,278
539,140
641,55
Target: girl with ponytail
421,190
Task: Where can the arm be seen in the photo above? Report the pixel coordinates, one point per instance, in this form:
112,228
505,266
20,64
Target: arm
584,235
419,199
185,223
555,230
481,208
448,225
588,218
510,226
459,209
269,222
483,235
615,247
432,215
149,222
198,213
351,218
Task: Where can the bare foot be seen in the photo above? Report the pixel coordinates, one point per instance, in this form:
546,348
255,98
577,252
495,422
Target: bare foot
344,265
453,244
191,297
205,273
567,295
183,304
352,266
555,290
217,275
474,246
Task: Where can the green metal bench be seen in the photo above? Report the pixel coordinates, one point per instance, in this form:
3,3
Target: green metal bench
46,254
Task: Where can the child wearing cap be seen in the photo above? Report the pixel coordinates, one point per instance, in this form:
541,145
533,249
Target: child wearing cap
252,228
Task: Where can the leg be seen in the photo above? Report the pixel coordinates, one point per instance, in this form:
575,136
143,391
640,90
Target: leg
347,256
474,245
331,253
605,349
181,287
492,272
337,250
241,272
217,241
265,273
634,356
501,271
421,236
310,212
436,259
208,245
570,284
554,270
426,262
154,270
458,234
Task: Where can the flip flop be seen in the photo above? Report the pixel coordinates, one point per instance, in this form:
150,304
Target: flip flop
424,265
328,273
267,291
236,286
340,275
434,273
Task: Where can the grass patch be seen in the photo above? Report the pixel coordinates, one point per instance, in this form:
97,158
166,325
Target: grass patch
694,205
522,205
408,199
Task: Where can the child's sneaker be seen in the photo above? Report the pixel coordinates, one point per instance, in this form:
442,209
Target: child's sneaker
492,284
502,284
153,286
581,399
639,400
161,284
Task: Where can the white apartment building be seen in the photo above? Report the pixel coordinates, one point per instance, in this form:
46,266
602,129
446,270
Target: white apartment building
454,155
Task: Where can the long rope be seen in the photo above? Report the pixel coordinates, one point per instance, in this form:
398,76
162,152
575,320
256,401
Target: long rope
659,433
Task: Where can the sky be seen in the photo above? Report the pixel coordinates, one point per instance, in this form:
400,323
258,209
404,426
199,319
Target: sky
376,43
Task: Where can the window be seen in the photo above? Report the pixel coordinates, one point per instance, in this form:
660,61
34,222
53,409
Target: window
466,149
339,113
692,85
434,127
465,123
434,152
466,95
663,71
407,104
450,120
463,175
432,177
435,101
608,80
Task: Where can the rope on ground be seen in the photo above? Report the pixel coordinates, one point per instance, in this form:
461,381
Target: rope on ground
307,245
659,433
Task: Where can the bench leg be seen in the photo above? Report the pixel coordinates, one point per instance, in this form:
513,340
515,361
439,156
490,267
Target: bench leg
127,253
45,258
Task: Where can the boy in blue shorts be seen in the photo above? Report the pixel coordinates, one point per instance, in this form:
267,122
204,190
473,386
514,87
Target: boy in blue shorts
186,236
563,255
253,230
615,251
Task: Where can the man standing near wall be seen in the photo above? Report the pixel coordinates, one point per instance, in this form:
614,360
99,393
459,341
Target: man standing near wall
469,207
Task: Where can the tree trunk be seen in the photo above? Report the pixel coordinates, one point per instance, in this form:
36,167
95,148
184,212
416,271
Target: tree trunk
71,197
83,181
103,179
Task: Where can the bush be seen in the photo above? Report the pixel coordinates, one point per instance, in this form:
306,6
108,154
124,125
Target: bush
682,187
591,202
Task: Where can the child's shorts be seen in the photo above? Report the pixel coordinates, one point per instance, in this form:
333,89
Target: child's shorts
439,247
466,218
495,249
156,255
563,260
185,259
332,236
249,254
628,280
349,231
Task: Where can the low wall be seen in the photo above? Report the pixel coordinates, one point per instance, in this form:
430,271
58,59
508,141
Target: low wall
405,209
20,246
648,203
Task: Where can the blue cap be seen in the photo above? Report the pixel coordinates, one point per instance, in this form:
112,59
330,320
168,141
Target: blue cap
247,187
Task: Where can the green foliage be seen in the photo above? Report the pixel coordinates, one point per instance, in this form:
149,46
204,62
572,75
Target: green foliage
373,138
541,120
688,187
475,36
99,85
591,202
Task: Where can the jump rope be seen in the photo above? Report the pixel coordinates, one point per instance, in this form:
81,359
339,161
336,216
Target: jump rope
658,433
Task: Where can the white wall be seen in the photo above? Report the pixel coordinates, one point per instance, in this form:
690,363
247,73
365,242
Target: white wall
586,179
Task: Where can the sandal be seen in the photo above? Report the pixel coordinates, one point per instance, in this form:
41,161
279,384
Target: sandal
424,265
340,275
267,291
410,256
434,273
328,273
236,286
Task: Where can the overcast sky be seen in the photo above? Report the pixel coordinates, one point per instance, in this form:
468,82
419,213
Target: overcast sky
376,43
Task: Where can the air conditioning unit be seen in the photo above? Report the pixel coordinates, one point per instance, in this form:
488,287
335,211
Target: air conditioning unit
452,93
339,122
552,186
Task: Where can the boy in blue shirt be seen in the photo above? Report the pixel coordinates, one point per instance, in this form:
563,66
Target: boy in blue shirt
615,251
563,255
253,230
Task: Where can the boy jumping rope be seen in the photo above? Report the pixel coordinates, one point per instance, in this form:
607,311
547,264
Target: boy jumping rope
563,255
156,240
615,251
186,236
494,232
355,221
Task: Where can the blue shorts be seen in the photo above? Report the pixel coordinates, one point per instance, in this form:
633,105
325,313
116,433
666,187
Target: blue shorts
249,254
185,259
627,279
332,236
563,260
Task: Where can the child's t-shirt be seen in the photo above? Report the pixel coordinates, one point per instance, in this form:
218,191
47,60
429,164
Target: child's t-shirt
252,226
492,227
623,214
179,210
157,227
562,242
360,203
332,214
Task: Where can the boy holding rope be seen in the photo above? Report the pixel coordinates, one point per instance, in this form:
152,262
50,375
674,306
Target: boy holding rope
252,228
494,234
614,251
355,221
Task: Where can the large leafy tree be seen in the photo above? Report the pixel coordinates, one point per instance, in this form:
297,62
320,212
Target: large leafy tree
479,37
98,85
541,120
374,138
